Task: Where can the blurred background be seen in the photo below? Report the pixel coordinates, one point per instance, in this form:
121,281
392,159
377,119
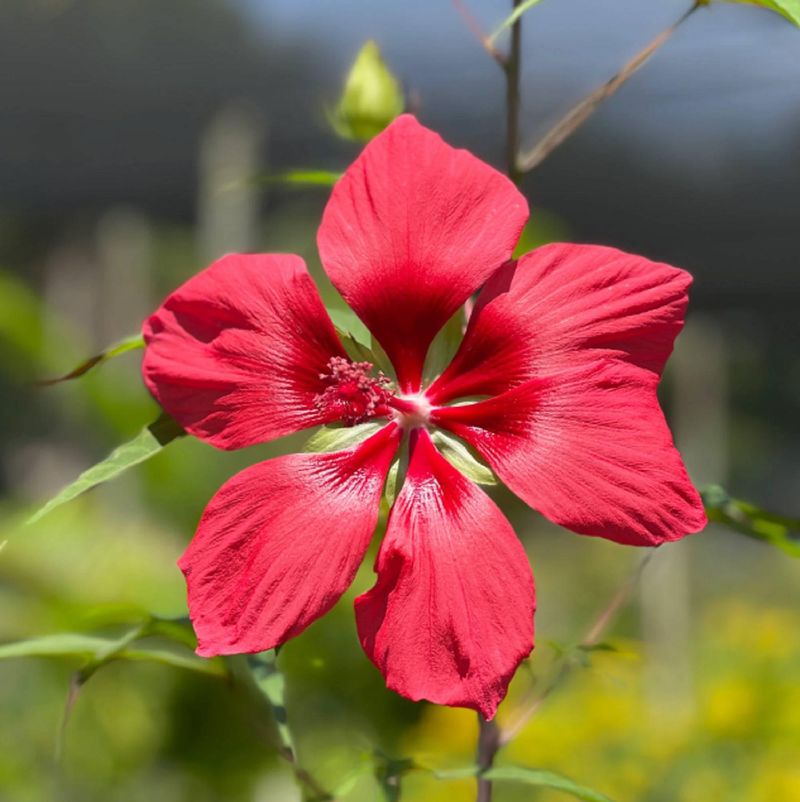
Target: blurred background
134,138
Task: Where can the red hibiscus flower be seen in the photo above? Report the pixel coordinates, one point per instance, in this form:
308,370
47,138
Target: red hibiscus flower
564,350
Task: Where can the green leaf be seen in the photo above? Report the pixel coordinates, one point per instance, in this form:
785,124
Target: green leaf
520,774
315,178
544,779
512,18
459,456
131,343
371,99
99,650
444,346
65,645
270,681
790,9
145,445
338,438
751,520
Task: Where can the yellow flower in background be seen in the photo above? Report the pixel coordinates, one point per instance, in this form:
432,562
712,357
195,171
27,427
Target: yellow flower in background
742,744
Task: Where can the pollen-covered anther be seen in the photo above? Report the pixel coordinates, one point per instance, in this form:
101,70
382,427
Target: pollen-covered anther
353,394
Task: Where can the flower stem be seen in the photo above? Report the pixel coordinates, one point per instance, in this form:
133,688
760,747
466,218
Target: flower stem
488,744
489,736
575,118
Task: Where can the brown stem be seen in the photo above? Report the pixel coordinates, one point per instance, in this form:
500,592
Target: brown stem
478,32
565,665
489,733
488,744
511,66
575,118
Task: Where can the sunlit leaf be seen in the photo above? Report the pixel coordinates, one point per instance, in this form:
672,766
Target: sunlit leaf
99,650
790,9
751,520
459,456
512,18
64,645
544,779
534,777
315,178
338,438
371,99
131,343
145,445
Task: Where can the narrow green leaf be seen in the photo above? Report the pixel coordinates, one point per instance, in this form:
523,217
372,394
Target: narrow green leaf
145,445
444,346
99,650
459,456
544,779
131,343
520,774
171,657
752,521
338,438
512,18
790,9
270,681
62,645
315,178
371,99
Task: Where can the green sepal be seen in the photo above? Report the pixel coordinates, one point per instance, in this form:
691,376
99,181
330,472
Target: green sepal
459,456
338,438
444,346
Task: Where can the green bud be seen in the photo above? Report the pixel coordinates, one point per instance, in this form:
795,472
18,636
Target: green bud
371,99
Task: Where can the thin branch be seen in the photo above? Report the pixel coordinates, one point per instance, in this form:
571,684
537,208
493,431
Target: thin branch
591,638
478,32
574,119
512,70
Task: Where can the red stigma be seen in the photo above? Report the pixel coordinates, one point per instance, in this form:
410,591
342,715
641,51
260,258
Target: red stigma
352,394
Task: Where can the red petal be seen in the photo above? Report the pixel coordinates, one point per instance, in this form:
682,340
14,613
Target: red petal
451,615
589,449
412,229
562,303
235,354
280,542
